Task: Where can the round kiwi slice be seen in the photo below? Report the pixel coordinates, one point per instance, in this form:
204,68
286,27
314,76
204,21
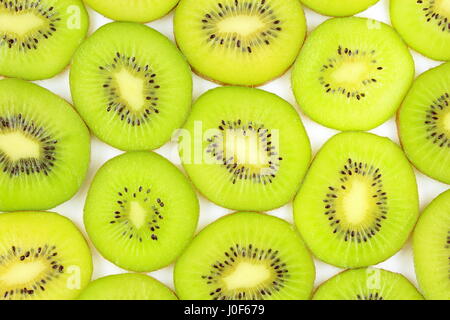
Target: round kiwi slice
241,42
134,10
339,8
44,148
424,25
140,211
42,256
39,37
245,256
359,202
431,244
131,85
245,149
127,286
424,123
352,73
367,284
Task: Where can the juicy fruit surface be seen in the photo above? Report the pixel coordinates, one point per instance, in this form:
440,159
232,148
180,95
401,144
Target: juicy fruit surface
42,256
367,284
39,37
245,256
424,123
245,149
127,286
44,148
133,10
131,85
240,42
351,209
352,73
141,211
431,244
424,25
339,8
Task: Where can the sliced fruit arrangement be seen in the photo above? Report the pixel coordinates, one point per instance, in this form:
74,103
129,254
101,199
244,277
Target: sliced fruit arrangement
424,123
352,73
431,244
339,8
424,25
44,148
245,149
127,286
39,37
42,256
133,10
140,211
131,85
241,42
352,211
367,284
245,256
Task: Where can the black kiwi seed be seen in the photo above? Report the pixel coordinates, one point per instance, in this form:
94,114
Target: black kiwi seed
437,109
371,296
374,175
153,220
47,253
115,102
31,40
342,55
250,252
432,15
43,165
241,171
246,44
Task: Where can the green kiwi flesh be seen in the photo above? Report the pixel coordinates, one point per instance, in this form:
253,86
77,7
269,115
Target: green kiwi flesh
367,284
133,10
431,245
245,149
240,42
39,37
352,73
131,85
43,256
141,211
424,25
44,148
339,8
127,286
424,123
245,256
351,209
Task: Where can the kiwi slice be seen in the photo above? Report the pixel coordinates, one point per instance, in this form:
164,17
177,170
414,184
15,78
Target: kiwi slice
424,25
245,149
367,284
134,10
245,256
431,244
44,148
424,123
352,73
339,8
42,256
140,211
127,286
241,42
39,37
359,202
131,85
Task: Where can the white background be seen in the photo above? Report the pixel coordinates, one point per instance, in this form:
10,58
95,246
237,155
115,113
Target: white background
402,262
